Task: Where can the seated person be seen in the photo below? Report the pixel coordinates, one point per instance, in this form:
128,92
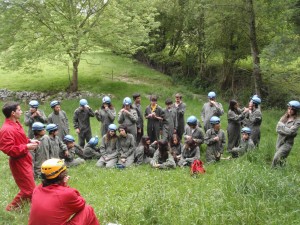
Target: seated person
246,143
91,150
191,152
162,158
53,202
108,148
126,147
145,151
73,150
176,148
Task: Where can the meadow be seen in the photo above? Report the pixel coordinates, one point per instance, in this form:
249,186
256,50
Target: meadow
241,191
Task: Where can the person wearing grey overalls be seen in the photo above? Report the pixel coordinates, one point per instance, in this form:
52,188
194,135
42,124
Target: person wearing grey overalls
210,109
215,141
81,120
287,129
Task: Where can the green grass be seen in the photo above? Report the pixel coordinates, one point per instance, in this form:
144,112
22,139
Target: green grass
241,191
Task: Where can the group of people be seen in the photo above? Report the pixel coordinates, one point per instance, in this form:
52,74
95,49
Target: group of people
162,147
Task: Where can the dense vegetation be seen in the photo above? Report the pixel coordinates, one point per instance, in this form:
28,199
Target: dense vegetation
241,191
237,47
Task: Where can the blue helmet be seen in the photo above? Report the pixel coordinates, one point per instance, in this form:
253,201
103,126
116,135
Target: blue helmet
54,103
112,127
38,126
106,99
214,120
246,130
294,104
211,94
34,104
51,127
192,120
83,102
94,141
255,99
127,101
69,138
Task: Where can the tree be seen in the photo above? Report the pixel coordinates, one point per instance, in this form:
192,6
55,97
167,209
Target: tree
65,29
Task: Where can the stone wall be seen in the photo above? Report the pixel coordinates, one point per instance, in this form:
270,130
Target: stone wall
26,96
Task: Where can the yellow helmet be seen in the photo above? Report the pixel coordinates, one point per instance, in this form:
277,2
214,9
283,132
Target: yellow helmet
51,168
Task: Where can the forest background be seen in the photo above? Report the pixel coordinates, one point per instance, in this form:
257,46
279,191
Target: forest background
236,48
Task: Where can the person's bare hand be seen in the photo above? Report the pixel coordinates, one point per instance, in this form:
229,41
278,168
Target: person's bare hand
32,146
216,138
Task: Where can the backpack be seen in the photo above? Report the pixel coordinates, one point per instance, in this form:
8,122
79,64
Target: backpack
197,167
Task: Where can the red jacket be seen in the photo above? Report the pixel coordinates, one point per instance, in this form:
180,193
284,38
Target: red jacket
13,142
55,204
13,139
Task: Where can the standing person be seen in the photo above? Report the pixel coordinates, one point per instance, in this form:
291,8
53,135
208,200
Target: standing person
140,121
34,115
246,143
125,147
56,147
253,119
42,152
81,120
106,114
128,117
287,129
108,148
15,144
162,158
54,202
59,117
180,107
191,152
170,122
235,116
193,131
145,151
210,109
215,140
91,149
74,155
155,116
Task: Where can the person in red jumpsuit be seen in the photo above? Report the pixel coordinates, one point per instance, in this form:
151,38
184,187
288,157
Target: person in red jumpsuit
16,145
53,202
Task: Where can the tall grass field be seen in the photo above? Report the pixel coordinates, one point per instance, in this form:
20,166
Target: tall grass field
240,191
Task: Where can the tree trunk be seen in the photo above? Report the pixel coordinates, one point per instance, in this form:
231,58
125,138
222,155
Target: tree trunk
74,83
254,49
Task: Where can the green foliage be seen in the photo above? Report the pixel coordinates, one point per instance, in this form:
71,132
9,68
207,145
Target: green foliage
62,30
